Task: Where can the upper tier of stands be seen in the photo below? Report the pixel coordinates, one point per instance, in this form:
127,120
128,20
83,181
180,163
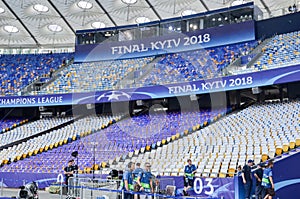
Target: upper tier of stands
170,68
116,140
18,71
195,65
282,50
95,76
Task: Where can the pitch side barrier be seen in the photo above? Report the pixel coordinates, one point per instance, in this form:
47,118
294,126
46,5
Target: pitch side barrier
88,188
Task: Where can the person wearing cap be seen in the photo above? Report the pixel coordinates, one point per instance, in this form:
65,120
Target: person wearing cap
144,179
189,174
247,178
258,174
267,181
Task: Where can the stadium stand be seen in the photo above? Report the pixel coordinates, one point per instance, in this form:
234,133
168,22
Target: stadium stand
282,50
258,132
112,143
217,149
30,129
8,124
170,68
78,129
18,71
94,75
195,65
239,117
206,150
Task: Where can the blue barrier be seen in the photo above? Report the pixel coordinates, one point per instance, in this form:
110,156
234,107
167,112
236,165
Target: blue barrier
136,193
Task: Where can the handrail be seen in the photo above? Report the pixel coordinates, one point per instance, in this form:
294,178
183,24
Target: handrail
29,88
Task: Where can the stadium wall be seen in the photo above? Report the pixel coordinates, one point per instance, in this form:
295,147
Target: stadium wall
171,43
286,177
278,25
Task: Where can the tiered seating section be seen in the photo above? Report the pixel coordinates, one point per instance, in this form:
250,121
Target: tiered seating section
282,50
54,160
18,71
108,144
171,68
195,65
258,132
8,124
30,129
95,76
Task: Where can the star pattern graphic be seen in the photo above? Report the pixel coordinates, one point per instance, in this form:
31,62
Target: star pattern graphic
113,95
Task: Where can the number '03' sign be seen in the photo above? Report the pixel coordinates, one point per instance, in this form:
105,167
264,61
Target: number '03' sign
198,186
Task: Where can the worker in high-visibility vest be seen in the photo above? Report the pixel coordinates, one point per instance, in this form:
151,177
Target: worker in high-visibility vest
135,173
268,182
127,182
144,179
189,174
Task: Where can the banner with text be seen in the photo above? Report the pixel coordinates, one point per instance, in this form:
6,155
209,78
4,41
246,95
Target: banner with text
202,187
174,42
249,80
206,187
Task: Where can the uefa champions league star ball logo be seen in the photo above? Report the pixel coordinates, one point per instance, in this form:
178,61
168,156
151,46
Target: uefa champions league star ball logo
113,96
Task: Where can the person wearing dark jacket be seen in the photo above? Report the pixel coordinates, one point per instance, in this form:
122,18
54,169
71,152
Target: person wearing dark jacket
247,178
258,174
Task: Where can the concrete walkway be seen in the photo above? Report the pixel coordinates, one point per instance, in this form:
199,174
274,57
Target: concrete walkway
13,193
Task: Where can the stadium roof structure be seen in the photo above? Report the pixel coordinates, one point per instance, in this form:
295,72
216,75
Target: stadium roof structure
35,23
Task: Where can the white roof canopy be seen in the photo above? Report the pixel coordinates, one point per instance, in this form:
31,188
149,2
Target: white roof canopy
35,23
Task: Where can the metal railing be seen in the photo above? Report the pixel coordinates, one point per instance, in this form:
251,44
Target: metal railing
56,74
91,188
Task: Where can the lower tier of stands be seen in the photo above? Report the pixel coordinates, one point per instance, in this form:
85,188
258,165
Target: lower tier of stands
8,124
30,129
106,145
54,138
259,132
